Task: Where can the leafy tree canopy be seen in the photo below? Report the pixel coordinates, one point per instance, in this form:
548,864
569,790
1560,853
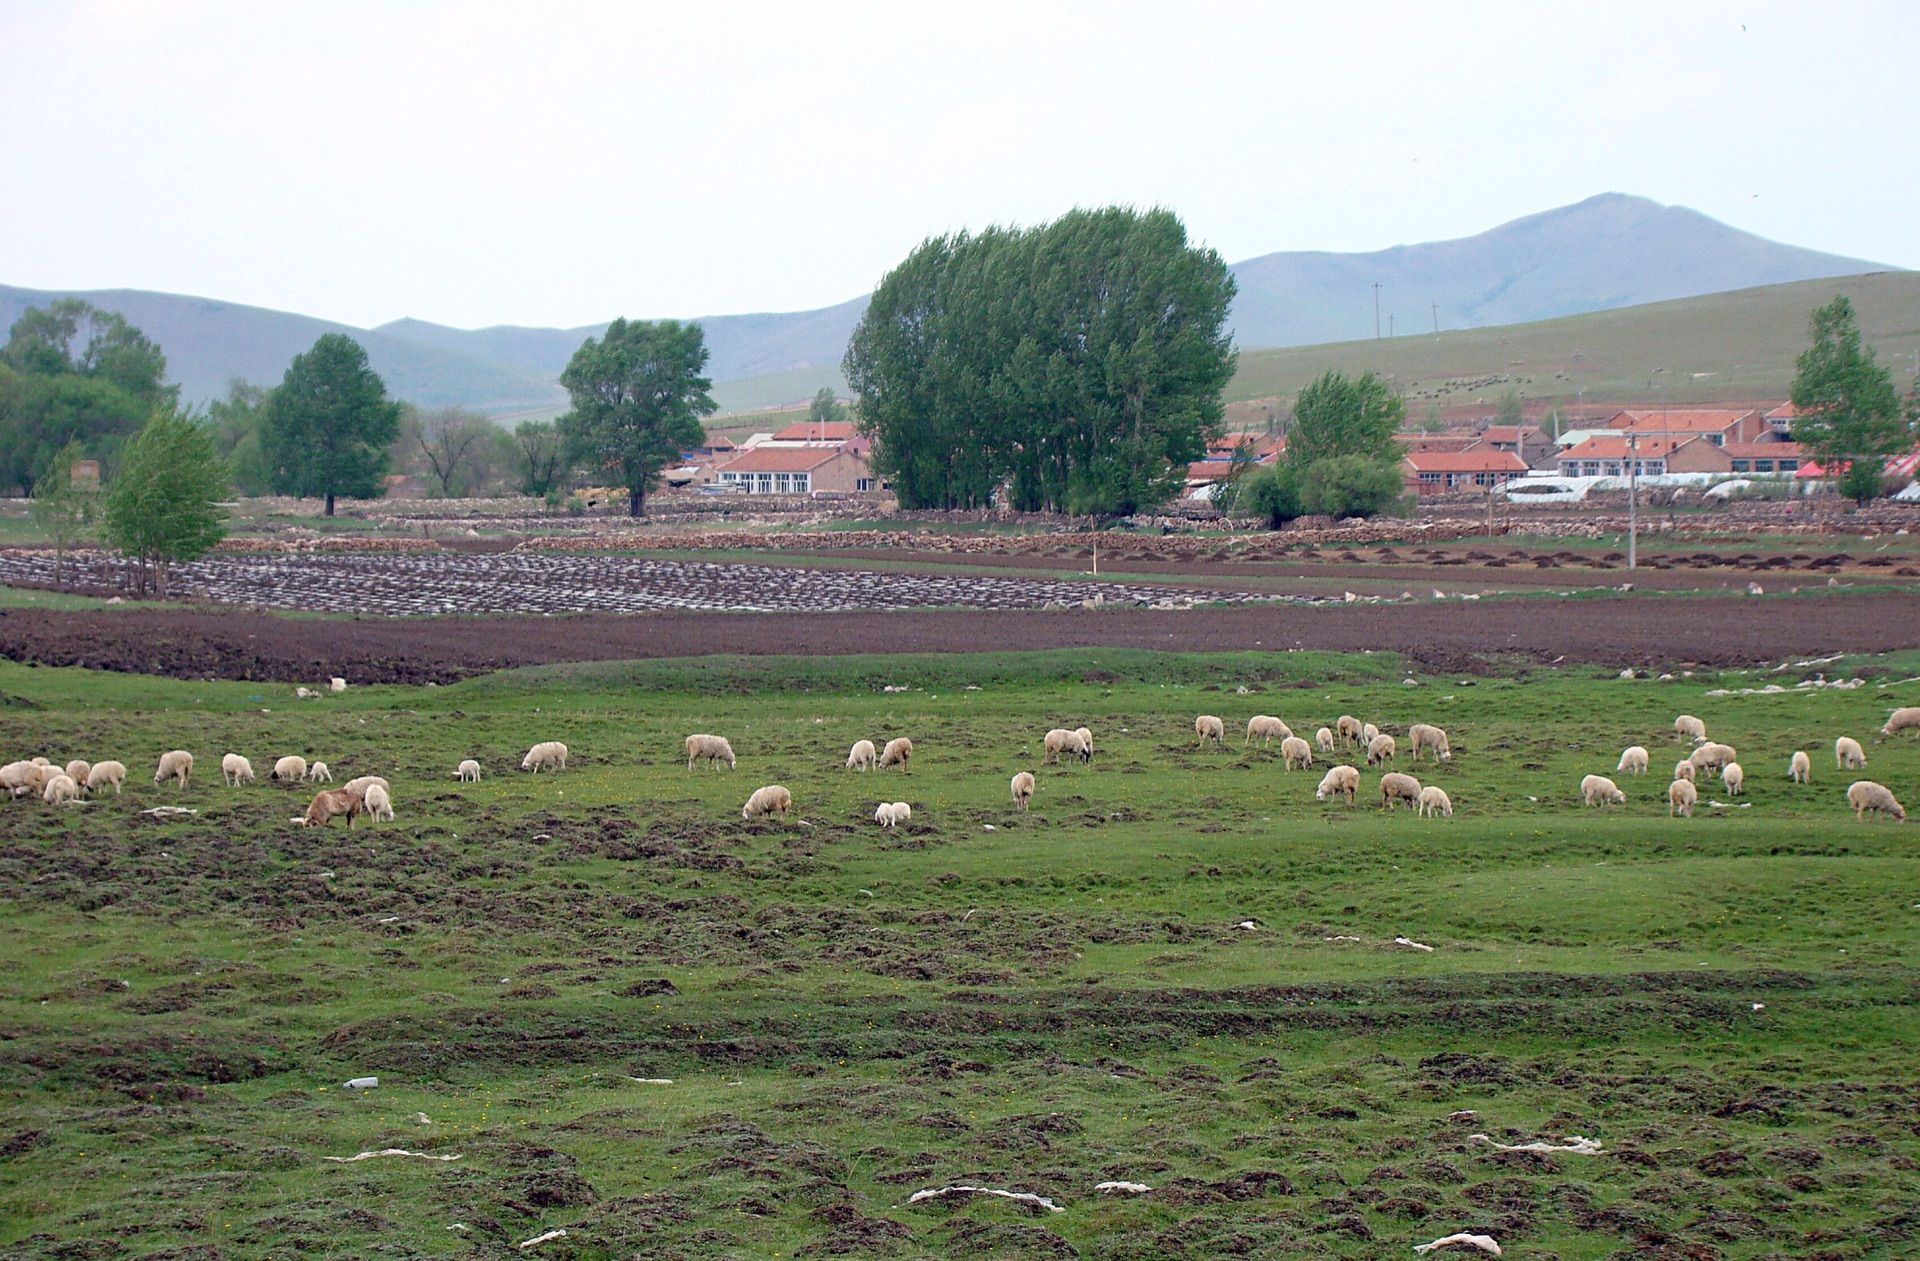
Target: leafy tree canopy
825,408
1850,411
1341,415
541,456
164,507
638,395
329,426
70,372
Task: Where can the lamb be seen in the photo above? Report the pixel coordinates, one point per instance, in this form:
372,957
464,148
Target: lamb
1367,733
468,771
1904,719
863,756
1348,728
1687,727
60,789
1380,749
768,800
1086,742
235,770
711,749
1265,728
1297,752
1711,756
329,804
892,813
1434,801
1423,736
1681,796
1864,795
898,751
1800,768
175,765
1323,739
1598,790
548,755
378,803
1060,743
77,772
319,773
1023,789
1733,777
1684,769
1395,787
1209,727
1848,753
1633,761
289,769
106,773
363,783
1341,781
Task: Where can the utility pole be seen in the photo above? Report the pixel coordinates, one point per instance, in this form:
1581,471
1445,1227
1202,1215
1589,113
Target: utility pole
1633,501
1436,317
1376,310
1389,324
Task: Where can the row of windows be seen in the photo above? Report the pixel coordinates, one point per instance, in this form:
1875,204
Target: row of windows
1464,479
771,483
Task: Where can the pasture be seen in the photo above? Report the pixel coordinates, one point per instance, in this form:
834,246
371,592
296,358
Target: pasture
636,1018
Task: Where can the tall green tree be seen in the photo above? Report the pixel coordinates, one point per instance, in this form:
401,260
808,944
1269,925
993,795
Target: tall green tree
540,456
164,506
62,509
1341,415
236,421
329,425
70,372
1510,411
638,395
1850,413
825,408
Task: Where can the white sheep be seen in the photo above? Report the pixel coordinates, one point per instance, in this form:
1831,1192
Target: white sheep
235,770
1687,727
1297,752
1733,777
468,772
862,756
1422,736
1209,727
336,684
362,784
1681,796
18,778
77,771
1848,754
1340,781
175,765
1265,728
892,813
1380,749
1905,718
1395,788
1323,739
1368,732
1086,742
548,755
1864,795
1348,728
1060,743
60,789
713,750
1598,790
377,803
1434,801
1711,756
289,769
1023,789
1800,768
41,761
768,800
897,752
1633,761
1685,769
108,772
320,773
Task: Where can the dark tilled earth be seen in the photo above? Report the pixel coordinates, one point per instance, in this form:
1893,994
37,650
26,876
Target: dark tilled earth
1638,630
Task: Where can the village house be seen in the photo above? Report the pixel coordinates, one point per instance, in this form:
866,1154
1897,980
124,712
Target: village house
799,470
1718,425
1535,447
1437,472
1602,456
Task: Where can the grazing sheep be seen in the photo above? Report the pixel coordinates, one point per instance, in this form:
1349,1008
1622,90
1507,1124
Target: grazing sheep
106,773
892,813
468,771
319,773
768,800
863,756
1323,739
548,755
289,769
1433,801
1086,742
1681,795
60,789
377,803
18,778
40,761
1427,736
336,684
175,765
1367,733
898,751
1348,728
1904,719
362,784
1598,790
77,772
235,770
1684,769
1209,727
1380,749
1297,752
1265,728
1633,761
1060,743
1800,769
1395,787
1341,781
1848,754
1687,727
1864,795
1733,777
329,804
1711,756
711,749
1023,789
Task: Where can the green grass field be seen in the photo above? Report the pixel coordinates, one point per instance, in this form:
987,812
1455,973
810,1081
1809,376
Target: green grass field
1042,1002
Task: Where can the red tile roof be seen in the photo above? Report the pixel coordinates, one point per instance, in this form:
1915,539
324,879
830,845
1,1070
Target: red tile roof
1764,450
815,431
1616,449
780,460
1681,420
1479,460
1510,433
1437,441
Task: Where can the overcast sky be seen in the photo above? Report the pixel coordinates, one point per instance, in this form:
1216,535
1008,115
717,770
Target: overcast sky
556,163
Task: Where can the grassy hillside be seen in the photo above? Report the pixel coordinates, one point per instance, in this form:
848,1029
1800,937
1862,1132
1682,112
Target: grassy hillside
600,1002
1731,346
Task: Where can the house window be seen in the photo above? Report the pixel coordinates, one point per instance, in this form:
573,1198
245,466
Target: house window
765,483
1430,479
783,483
1717,439
864,483
1744,466
803,483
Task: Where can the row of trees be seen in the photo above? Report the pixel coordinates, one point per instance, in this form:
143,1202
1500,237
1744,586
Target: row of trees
1079,364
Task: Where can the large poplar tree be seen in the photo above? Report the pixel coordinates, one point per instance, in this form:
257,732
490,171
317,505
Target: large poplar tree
638,395
329,425
1849,409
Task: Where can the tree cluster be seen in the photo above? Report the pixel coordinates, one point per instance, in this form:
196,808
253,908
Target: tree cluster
1342,458
72,373
1075,366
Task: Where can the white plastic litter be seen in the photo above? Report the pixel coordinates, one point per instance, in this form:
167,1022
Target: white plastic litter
1019,1197
387,1151
1483,1242
524,1244
361,1083
168,812
1411,944
650,1081
1122,1188
1574,1146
